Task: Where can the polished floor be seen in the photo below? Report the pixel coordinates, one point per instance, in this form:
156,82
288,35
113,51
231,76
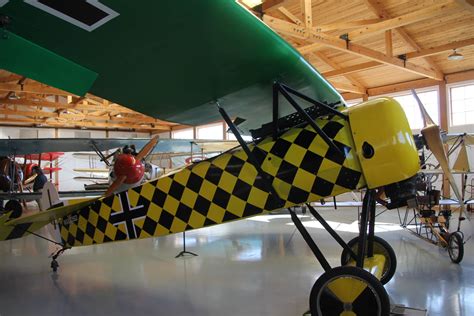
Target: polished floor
259,266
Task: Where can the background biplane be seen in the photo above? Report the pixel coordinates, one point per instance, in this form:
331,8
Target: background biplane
312,148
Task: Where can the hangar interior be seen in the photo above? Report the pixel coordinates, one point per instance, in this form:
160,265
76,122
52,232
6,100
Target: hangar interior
261,265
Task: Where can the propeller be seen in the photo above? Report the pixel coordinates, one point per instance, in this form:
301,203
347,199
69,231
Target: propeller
115,185
432,135
146,150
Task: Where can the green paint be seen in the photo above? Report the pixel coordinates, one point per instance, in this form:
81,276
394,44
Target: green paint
171,59
30,60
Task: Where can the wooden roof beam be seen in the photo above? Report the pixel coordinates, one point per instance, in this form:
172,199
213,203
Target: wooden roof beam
440,49
441,7
346,25
341,45
290,16
466,4
308,13
376,7
76,117
355,86
348,70
32,88
92,125
346,87
10,78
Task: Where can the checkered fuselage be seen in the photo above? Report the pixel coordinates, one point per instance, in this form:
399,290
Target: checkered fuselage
300,166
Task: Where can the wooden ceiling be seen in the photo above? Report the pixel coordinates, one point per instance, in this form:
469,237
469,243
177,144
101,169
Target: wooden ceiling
25,102
388,41
391,45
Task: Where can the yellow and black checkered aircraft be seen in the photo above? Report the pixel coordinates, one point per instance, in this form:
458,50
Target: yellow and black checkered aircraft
234,61
301,166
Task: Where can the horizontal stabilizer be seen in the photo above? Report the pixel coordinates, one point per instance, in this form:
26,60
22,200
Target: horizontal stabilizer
52,214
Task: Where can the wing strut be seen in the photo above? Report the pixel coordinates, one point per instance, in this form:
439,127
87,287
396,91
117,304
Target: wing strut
285,91
267,181
100,154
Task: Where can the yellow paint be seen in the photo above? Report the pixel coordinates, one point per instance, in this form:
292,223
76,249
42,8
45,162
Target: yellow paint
382,123
347,289
374,265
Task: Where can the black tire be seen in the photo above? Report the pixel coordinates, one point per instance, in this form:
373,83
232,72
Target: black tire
381,247
456,247
371,301
14,206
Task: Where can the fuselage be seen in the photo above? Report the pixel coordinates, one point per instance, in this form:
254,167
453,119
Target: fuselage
300,165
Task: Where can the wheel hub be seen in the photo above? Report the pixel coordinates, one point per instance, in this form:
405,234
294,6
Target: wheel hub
348,307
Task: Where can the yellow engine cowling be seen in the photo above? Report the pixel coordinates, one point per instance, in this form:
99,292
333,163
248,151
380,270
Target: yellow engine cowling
383,141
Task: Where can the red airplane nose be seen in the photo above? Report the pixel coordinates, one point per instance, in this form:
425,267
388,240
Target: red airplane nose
127,165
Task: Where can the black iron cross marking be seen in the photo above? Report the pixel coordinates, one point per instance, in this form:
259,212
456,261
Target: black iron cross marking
128,215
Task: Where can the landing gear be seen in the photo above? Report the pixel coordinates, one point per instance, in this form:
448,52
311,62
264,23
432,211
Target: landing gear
381,247
456,247
348,291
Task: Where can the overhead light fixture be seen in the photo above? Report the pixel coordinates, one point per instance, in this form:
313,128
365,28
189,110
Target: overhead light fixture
455,55
13,96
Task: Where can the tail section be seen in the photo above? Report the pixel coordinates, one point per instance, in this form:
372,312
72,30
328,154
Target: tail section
8,232
49,197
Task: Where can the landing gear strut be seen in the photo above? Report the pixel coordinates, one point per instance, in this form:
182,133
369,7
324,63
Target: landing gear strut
350,289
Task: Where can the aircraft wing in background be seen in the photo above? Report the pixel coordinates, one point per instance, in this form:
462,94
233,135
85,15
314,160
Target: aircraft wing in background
42,145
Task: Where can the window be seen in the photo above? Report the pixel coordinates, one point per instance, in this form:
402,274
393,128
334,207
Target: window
82,134
412,111
186,133
28,133
462,105
211,131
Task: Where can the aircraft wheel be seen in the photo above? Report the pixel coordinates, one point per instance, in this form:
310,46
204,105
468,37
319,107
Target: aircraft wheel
348,291
455,247
381,247
14,206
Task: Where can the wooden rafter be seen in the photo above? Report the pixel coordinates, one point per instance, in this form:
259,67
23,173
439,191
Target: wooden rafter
348,70
443,7
355,85
41,105
311,36
376,7
346,25
440,49
32,88
414,84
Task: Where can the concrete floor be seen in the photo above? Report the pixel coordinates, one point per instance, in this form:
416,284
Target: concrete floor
259,266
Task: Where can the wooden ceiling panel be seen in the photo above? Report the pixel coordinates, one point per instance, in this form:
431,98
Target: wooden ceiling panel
429,27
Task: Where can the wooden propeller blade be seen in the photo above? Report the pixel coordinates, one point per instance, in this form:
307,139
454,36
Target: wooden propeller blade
147,148
115,185
424,114
29,180
432,135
